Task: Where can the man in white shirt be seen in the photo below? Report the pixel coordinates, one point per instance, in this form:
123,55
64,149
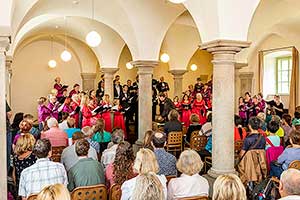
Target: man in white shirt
43,173
108,155
69,157
289,187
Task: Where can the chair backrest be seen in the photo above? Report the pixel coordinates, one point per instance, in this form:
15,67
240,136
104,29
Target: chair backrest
295,164
170,177
195,133
56,153
175,138
238,145
195,198
198,142
93,192
32,197
184,130
115,192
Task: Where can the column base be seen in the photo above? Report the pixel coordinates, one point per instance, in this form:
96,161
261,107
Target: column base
215,172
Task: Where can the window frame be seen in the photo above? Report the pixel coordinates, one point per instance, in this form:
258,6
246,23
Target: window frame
279,59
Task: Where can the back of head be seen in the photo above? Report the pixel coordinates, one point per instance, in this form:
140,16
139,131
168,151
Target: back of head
24,144
290,182
71,122
148,187
54,192
261,116
99,126
287,118
25,126
87,131
254,123
189,162
77,136
28,117
194,118
229,187
173,115
209,117
82,147
238,120
159,140
52,122
145,162
117,136
42,148
148,139
273,126
295,137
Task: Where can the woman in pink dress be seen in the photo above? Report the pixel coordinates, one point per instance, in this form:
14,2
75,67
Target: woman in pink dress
75,105
198,107
119,117
106,115
186,110
43,112
54,106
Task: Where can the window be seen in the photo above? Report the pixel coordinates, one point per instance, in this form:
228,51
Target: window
284,72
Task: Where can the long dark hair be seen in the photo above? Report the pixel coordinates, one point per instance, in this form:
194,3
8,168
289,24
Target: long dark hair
17,119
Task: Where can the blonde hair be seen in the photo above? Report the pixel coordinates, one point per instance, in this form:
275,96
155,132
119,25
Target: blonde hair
148,187
261,116
54,192
84,100
194,118
145,162
24,144
229,187
189,162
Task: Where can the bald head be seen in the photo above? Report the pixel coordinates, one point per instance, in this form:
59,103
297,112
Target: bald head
290,182
159,140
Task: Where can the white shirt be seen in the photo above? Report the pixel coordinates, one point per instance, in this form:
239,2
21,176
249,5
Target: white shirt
108,155
187,186
291,197
128,187
63,125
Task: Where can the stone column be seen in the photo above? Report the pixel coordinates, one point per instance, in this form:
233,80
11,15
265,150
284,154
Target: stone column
237,81
223,52
246,79
145,72
8,78
88,81
178,76
4,44
108,80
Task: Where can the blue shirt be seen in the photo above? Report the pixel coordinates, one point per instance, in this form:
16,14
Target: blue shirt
71,131
166,162
275,139
208,145
287,156
251,139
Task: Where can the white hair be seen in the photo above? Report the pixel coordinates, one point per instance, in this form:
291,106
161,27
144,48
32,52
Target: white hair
290,180
52,122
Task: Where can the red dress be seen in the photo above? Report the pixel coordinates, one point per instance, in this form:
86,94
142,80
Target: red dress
106,115
119,120
199,109
186,113
86,116
74,105
178,108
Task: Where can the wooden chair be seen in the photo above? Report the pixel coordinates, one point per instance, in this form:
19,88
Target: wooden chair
295,164
56,153
93,192
174,143
207,161
32,197
170,177
195,198
115,192
198,142
184,130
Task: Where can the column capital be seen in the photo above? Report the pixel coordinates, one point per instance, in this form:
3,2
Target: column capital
239,66
88,76
4,43
224,46
177,72
145,63
110,70
246,75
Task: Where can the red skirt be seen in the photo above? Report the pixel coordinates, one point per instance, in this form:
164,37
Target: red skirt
107,119
119,122
186,114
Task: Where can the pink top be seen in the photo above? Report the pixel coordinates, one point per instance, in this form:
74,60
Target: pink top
56,136
109,175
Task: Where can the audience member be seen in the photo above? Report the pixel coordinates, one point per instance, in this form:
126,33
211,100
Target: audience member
148,187
239,132
287,126
56,136
194,126
289,187
101,136
145,162
229,187
89,133
108,155
288,155
34,131
71,127
23,157
206,129
44,172
173,124
147,143
272,139
86,171
54,192
69,157
25,127
64,121
166,161
121,169
190,183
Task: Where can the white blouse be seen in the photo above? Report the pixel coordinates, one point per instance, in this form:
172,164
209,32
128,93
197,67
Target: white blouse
128,187
187,186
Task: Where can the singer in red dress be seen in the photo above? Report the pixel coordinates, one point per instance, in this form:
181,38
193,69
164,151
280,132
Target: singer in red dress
198,108
106,115
186,110
119,117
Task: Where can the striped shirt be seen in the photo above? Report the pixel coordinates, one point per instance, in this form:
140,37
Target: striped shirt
44,172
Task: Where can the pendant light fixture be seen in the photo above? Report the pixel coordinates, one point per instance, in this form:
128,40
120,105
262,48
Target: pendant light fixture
93,39
52,62
65,55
